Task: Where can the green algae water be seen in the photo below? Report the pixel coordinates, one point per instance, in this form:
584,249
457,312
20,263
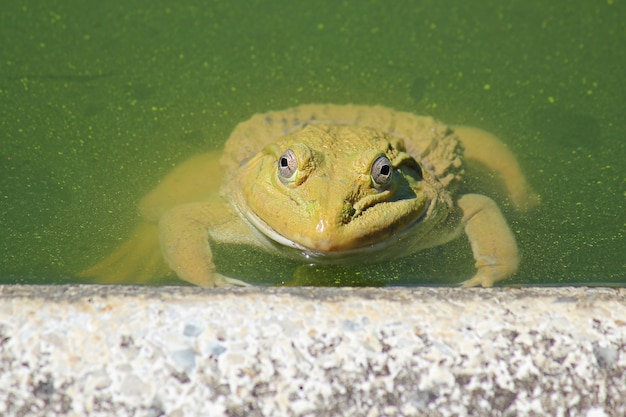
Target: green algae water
98,101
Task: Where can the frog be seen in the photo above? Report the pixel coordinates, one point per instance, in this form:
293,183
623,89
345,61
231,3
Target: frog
327,184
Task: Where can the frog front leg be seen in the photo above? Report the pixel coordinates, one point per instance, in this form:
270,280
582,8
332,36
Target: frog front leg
184,237
492,241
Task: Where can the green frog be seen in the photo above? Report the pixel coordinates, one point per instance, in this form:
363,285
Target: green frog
326,184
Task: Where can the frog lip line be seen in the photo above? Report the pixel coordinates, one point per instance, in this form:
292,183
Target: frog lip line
361,250
261,228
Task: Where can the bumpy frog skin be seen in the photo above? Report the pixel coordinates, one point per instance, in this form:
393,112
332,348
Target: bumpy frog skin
326,184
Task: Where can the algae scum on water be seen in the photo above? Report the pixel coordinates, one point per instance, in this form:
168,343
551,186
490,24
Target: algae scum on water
99,102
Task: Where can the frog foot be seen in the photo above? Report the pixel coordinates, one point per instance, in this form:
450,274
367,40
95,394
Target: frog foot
220,280
479,279
137,260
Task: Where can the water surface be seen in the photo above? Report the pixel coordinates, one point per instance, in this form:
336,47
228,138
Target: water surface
99,101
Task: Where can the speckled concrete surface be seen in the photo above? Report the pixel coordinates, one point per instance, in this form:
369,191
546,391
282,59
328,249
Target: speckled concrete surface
128,351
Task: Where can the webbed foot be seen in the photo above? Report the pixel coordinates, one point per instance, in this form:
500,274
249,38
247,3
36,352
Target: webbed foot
137,260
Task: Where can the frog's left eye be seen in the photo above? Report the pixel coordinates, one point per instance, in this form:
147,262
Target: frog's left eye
382,171
287,165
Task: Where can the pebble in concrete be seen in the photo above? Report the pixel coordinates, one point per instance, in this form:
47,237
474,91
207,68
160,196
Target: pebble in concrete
180,351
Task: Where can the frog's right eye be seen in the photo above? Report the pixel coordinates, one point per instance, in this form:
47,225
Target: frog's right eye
382,171
287,166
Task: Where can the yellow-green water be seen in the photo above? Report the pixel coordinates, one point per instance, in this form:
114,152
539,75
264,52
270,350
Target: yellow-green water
99,100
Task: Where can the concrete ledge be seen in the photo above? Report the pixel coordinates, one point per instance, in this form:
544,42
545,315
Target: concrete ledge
182,351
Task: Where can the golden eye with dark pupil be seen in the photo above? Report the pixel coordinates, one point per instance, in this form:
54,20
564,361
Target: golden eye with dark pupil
287,164
382,171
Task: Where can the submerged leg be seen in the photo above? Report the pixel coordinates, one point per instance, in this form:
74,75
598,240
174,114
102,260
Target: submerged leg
195,179
492,241
138,259
487,149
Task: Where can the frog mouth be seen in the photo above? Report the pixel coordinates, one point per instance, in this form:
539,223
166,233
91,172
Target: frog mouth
359,235
374,226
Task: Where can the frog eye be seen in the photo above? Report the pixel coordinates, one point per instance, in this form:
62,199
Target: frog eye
287,165
382,171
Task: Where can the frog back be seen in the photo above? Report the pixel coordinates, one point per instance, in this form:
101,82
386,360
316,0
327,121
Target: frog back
431,143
